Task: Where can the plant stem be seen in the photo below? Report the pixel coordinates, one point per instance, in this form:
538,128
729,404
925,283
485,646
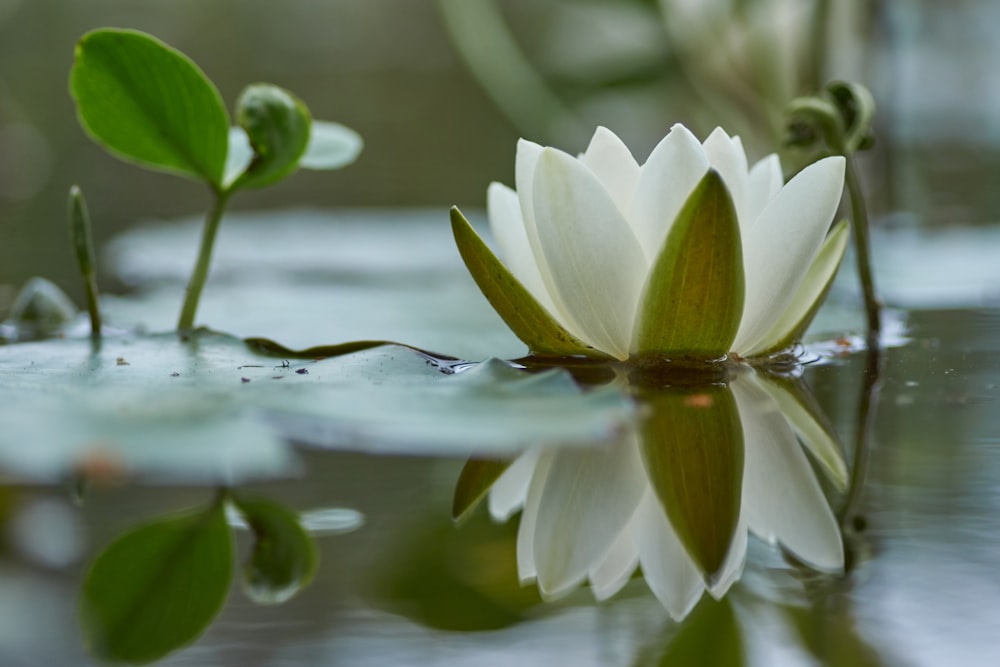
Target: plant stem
862,247
83,245
200,274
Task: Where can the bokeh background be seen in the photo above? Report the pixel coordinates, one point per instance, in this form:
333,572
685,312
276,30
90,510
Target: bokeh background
441,90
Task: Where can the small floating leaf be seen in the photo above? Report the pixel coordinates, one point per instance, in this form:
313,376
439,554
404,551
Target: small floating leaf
527,318
331,146
150,104
692,302
157,587
284,556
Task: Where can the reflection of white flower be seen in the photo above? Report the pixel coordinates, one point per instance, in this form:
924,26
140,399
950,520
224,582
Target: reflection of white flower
585,236
593,514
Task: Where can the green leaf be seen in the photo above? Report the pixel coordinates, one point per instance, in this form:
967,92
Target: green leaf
692,302
692,443
474,482
150,104
284,556
277,126
157,587
331,146
527,318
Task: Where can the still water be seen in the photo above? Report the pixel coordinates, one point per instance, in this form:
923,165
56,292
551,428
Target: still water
889,545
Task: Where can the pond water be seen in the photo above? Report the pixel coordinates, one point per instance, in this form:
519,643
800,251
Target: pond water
887,527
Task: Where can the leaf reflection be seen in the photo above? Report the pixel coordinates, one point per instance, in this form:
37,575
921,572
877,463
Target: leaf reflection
708,463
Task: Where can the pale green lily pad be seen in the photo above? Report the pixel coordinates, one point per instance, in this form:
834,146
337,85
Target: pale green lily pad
212,410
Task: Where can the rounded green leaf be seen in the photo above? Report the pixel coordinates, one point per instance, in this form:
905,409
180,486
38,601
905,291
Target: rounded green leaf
277,125
150,104
157,587
692,302
331,146
284,556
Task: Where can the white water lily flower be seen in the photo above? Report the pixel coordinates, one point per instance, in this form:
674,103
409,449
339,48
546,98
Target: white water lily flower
694,253
596,515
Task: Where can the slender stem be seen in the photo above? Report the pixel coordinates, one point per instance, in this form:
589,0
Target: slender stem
862,247
817,61
83,245
200,274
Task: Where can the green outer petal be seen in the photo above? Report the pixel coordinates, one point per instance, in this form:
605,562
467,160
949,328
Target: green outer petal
692,302
527,318
811,294
149,103
475,480
692,445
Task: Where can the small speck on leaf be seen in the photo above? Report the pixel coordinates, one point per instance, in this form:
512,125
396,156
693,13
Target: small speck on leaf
302,371
244,380
121,361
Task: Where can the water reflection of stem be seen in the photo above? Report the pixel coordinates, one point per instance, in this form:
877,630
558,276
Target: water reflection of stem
862,248
200,274
863,437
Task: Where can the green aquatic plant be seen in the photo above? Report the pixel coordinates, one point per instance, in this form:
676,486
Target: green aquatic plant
149,104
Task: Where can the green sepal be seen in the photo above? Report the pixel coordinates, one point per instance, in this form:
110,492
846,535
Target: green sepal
284,556
790,327
528,319
692,444
475,480
157,587
277,124
692,302
148,103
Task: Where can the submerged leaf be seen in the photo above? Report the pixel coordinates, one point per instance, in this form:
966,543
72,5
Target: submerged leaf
284,557
692,302
150,104
527,318
157,587
693,448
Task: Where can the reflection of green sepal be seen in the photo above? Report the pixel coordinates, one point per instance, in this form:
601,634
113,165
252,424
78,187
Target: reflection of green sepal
527,318
692,444
709,636
815,286
475,480
284,556
150,104
277,125
692,302
157,587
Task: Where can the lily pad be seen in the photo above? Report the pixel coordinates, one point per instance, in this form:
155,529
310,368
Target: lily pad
211,409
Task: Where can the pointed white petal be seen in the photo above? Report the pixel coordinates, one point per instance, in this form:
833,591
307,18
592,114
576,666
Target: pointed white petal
782,499
609,575
612,162
597,267
763,185
507,225
781,245
670,573
673,169
526,569
814,283
588,496
726,156
508,493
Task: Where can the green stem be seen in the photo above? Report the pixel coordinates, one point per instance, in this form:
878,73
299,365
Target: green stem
83,245
200,274
820,27
862,247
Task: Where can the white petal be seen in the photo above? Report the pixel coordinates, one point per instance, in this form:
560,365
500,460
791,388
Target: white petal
763,185
781,245
507,225
588,496
667,179
612,162
597,267
526,569
509,492
726,156
609,575
732,567
820,273
782,499
670,573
